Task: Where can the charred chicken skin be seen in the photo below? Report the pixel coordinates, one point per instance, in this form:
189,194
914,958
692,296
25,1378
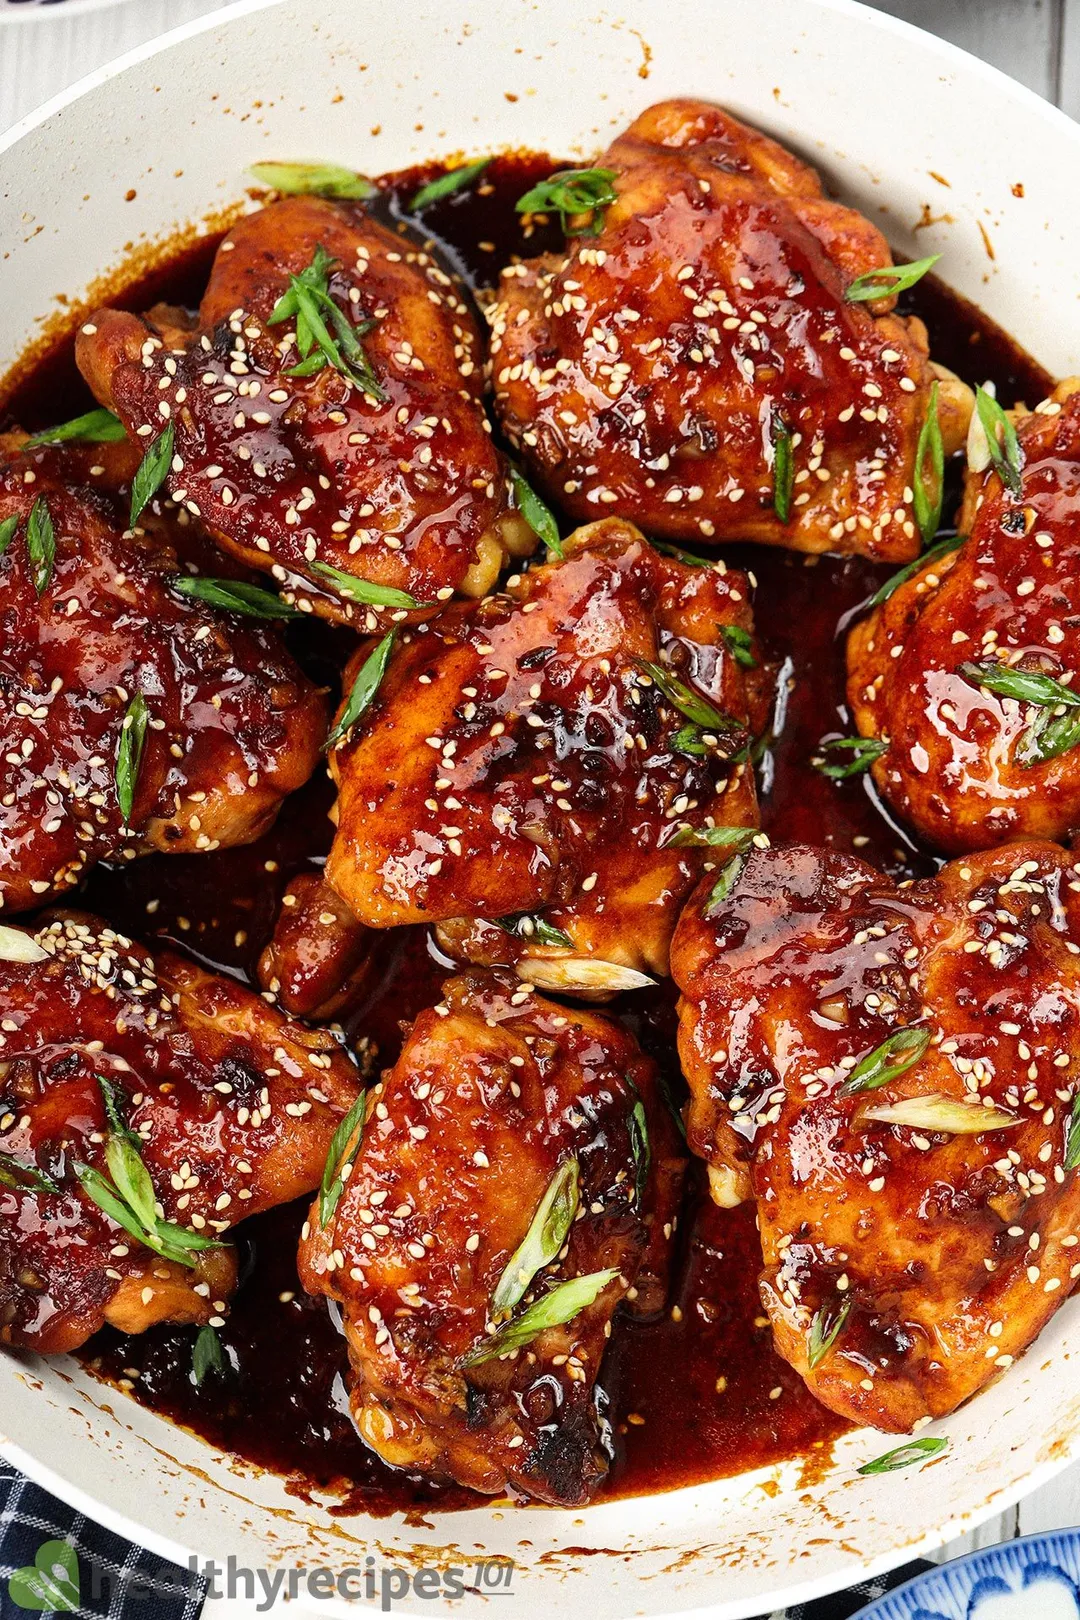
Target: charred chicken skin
696,364
386,475
96,639
965,672
529,753
890,1073
229,1106
505,1114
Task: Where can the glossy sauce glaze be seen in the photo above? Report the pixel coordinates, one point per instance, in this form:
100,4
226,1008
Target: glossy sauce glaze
699,1393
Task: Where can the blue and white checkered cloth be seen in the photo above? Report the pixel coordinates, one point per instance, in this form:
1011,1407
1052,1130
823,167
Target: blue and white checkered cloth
114,1580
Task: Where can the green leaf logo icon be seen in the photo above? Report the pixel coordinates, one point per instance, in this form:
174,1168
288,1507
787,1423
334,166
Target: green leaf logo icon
50,1582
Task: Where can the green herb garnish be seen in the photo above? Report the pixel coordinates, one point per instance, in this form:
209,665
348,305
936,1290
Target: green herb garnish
546,1235
571,193
863,751
93,427
897,278
207,1355
110,1096
825,1329
130,1201
364,688
1025,685
446,184
783,466
24,1177
361,590
7,532
315,179
308,300
41,544
527,925
152,473
737,838
554,1309
951,543
740,644
637,1126
234,595
129,753
928,485
1001,441
725,883
687,558
537,514
1072,1136
698,710
1048,736
912,1451
340,1158
889,1061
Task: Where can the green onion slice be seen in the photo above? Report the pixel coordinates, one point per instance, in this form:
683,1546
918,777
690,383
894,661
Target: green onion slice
554,1309
863,751
340,1157
93,427
315,179
887,1062
546,1235
537,514
445,185
1001,441
929,481
152,473
943,548
573,193
825,1329
41,544
913,1451
1025,685
890,279
364,688
361,590
234,595
24,1177
783,466
129,753
207,1355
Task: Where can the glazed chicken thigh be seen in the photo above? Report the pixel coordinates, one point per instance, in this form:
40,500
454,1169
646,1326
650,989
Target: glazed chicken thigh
113,680
516,1179
965,672
891,1074
696,363
111,1053
537,753
365,485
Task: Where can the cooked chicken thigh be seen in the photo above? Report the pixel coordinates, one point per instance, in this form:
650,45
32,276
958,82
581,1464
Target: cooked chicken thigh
514,1147
541,750
109,1053
696,364
98,650
966,670
891,1074
379,467
320,959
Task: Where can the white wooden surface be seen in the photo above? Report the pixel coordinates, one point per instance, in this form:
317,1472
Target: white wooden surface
1037,41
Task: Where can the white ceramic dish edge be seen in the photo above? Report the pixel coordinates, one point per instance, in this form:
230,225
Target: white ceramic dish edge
727,1549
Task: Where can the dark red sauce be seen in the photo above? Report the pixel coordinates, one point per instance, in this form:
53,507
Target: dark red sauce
700,1393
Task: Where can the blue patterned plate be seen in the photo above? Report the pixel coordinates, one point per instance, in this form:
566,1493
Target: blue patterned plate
1036,1578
